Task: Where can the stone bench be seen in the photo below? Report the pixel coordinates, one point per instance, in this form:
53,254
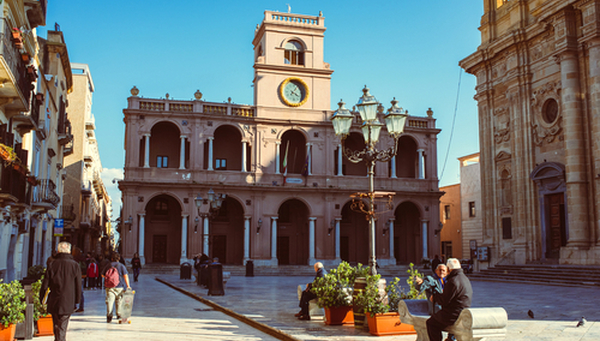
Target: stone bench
313,305
472,324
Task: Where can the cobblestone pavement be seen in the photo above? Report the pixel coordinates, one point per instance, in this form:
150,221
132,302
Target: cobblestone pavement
162,313
273,301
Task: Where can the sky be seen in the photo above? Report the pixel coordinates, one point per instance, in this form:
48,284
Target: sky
405,49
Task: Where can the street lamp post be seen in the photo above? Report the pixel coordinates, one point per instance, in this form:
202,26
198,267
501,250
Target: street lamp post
212,204
369,110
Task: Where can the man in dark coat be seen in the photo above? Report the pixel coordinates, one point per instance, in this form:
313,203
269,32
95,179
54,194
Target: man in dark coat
63,278
308,295
457,296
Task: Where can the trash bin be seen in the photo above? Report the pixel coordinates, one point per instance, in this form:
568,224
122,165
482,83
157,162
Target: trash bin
215,280
185,271
249,268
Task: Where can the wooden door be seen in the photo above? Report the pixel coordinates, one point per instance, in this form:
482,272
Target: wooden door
219,248
283,250
556,225
159,248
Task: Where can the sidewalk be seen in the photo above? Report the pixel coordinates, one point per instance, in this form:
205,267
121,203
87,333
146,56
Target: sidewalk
273,301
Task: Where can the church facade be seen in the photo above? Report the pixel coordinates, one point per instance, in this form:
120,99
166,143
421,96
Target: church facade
271,179
538,94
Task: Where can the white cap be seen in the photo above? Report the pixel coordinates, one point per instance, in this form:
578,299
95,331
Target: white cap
453,263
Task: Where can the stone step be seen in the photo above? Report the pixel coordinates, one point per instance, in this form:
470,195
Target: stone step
551,274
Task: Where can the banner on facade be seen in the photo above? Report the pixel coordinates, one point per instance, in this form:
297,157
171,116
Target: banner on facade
59,226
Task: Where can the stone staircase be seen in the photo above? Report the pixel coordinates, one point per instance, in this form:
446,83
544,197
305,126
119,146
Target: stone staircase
282,270
549,274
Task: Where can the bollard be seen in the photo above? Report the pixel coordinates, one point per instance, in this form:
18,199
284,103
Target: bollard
249,268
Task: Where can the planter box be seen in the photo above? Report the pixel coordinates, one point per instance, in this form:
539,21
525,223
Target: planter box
336,316
388,324
45,326
8,333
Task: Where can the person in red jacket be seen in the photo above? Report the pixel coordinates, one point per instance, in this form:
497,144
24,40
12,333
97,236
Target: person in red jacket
92,274
63,278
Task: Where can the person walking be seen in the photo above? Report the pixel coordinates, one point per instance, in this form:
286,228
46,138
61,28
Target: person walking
456,296
115,281
136,265
63,278
92,273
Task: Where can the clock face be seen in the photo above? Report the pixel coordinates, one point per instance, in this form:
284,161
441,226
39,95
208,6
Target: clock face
294,92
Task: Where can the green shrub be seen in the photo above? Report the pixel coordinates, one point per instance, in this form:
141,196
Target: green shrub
39,309
12,303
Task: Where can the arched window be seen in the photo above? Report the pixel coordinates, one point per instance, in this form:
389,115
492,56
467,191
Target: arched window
294,53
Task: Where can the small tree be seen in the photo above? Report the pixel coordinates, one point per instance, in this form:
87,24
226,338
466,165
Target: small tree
12,303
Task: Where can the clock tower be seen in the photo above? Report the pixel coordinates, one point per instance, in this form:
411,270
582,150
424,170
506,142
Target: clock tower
291,80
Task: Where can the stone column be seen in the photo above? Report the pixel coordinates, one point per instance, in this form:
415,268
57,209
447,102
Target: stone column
146,150
577,206
210,153
184,232
393,168
391,235
277,157
421,163
311,240
205,246
308,159
340,154
274,260
337,239
182,153
244,149
424,224
594,65
247,238
141,237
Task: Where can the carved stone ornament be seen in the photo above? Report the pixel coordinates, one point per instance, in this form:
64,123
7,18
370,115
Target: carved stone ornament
546,124
502,135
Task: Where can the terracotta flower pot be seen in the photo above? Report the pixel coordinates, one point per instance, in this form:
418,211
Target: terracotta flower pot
388,324
45,326
336,316
7,333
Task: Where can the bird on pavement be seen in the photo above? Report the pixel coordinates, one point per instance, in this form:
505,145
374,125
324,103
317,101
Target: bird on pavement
530,313
581,322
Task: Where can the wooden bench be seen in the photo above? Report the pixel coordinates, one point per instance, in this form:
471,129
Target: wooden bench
472,324
313,305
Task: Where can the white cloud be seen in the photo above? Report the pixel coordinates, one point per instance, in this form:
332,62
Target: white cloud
108,175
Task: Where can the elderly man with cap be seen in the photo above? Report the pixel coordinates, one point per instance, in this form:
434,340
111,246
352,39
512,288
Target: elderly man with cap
457,296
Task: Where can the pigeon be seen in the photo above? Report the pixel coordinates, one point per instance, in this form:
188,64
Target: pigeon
581,322
530,313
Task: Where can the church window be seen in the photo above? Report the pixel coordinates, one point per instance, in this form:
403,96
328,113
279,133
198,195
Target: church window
294,53
550,111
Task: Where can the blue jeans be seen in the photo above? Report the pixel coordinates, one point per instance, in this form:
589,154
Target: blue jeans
113,299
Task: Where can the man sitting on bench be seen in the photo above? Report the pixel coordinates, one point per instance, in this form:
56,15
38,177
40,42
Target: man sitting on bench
308,295
457,296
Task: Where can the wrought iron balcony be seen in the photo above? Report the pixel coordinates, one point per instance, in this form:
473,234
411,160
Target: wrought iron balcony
13,185
44,194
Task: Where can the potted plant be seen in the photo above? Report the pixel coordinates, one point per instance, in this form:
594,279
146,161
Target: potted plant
334,292
12,308
381,304
41,316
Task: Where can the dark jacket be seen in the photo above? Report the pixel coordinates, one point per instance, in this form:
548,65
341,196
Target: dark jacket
63,278
457,296
321,272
